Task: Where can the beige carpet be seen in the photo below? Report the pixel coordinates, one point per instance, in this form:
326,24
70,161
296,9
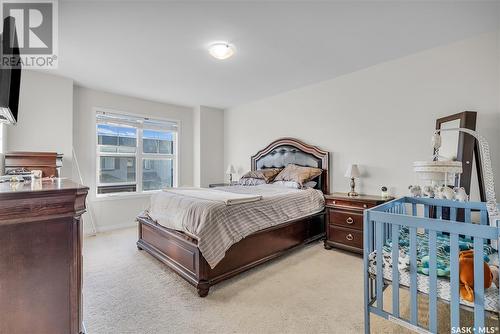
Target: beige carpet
312,290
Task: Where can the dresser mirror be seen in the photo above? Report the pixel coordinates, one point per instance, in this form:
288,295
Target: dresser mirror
459,146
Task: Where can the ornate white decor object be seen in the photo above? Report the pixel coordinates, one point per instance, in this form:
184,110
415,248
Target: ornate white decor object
437,173
489,184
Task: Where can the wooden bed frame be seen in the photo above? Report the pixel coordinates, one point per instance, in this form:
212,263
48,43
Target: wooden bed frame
180,252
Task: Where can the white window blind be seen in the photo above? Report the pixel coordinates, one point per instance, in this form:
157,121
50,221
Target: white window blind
135,154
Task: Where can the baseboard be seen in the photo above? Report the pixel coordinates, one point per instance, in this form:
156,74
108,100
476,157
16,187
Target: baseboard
107,228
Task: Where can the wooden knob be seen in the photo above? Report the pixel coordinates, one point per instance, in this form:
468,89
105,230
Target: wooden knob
349,237
365,206
349,220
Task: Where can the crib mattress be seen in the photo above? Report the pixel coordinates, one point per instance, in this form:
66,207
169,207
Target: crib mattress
443,284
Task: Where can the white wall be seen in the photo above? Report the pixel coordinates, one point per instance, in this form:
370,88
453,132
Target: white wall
381,117
118,212
3,145
45,119
208,146
196,146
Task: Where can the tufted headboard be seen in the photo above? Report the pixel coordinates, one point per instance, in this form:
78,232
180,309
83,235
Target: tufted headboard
286,151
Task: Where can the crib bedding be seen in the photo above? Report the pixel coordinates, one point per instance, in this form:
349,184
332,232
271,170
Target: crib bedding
443,261
442,251
217,226
443,286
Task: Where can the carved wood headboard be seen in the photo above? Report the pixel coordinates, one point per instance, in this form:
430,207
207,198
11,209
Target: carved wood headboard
286,151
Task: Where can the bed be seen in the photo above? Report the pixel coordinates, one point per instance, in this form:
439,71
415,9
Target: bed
181,251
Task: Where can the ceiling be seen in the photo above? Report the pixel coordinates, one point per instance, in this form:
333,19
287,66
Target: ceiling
158,50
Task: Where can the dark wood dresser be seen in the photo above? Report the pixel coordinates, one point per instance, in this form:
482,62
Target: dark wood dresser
49,163
40,257
344,220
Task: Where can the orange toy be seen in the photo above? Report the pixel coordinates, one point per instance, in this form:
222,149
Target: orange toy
466,267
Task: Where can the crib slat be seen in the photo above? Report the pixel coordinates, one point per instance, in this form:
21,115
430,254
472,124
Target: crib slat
478,284
454,282
432,282
414,209
371,235
426,210
379,241
413,276
453,214
484,217
468,218
395,270
439,212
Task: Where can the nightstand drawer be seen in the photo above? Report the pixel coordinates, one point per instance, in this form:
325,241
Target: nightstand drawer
349,204
346,219
348,237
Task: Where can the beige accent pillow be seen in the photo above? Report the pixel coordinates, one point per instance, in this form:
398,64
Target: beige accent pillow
298,174
267,175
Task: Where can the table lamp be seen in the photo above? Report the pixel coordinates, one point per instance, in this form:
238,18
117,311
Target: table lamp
230,170
352,172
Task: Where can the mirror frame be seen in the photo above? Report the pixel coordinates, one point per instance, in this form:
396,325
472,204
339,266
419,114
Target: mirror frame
468,149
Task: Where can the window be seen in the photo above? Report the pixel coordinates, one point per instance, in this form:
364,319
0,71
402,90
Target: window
135,154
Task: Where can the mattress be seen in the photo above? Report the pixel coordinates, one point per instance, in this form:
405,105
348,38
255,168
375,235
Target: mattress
491,302
218,226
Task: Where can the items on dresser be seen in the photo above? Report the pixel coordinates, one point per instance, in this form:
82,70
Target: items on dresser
50,163
40,257
344,220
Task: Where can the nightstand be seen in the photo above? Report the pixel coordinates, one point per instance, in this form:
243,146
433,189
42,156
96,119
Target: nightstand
344,220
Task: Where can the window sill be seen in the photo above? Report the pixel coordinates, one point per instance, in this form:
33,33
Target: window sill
112,197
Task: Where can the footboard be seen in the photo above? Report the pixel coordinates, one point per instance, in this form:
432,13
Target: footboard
424,218
176,250
181,253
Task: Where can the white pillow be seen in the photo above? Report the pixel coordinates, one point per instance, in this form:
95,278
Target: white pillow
250,181
287,184
295,185
310,184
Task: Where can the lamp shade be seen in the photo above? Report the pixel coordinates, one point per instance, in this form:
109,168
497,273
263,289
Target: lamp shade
352,171
230,169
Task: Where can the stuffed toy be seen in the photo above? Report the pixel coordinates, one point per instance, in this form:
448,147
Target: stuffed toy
466,273
415,191
494,271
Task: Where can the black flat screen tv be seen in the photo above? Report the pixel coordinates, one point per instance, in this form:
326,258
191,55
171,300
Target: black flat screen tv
10,73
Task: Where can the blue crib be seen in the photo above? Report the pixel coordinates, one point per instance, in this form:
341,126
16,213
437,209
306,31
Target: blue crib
414,216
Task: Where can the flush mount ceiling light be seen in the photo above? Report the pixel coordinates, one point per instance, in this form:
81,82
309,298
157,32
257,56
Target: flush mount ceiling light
221,50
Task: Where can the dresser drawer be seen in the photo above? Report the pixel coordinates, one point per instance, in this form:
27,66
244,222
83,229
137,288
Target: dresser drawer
346,219
348,237
349,204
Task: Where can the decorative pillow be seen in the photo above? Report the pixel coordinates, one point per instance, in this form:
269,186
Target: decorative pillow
250,181
265,174
299,174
